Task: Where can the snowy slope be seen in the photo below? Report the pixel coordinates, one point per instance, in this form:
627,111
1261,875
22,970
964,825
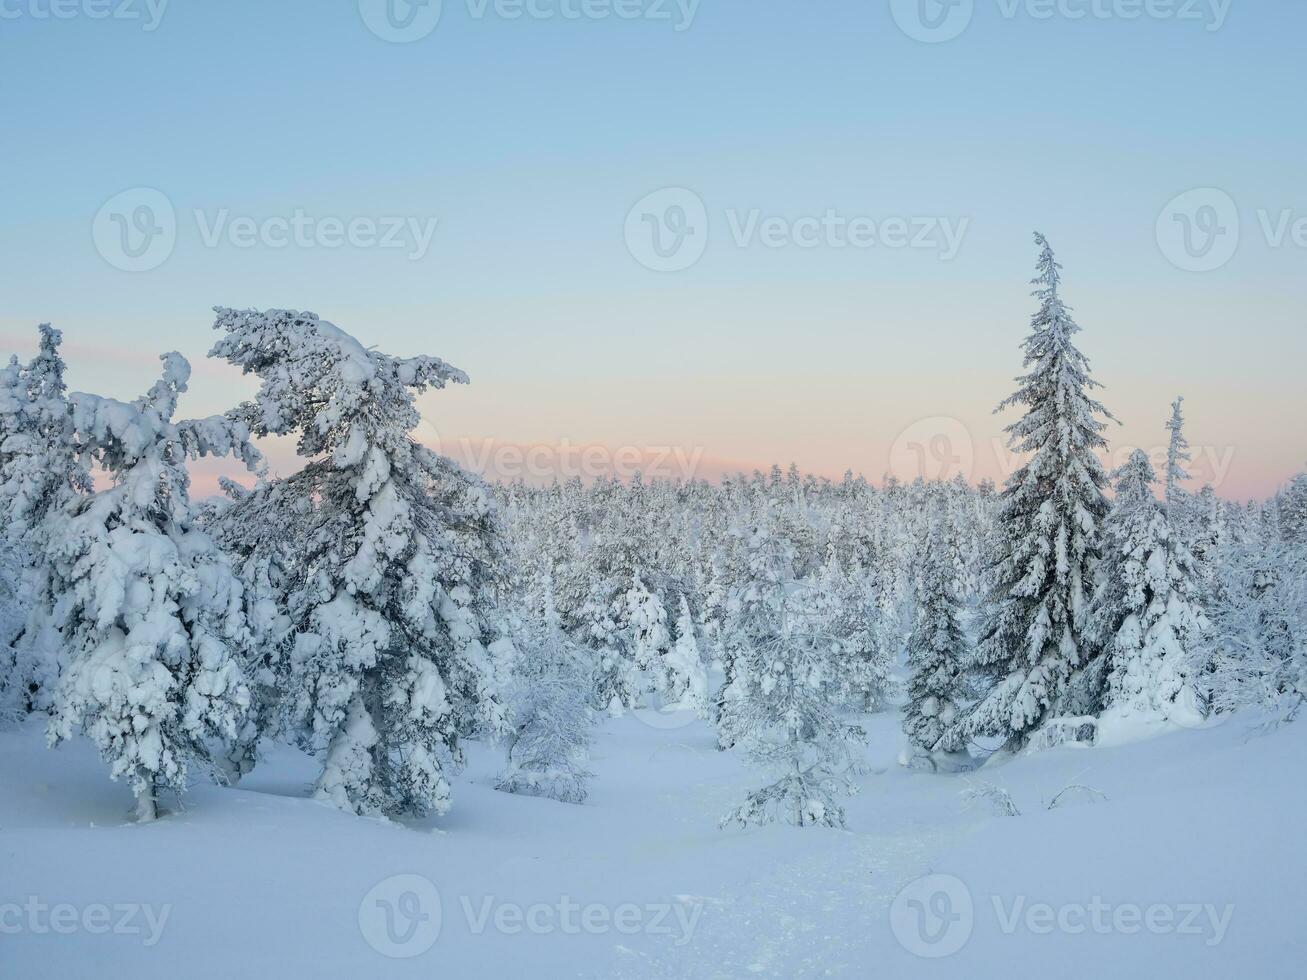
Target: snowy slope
640,883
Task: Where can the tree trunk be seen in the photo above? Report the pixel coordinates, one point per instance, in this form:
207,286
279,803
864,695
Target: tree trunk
146,810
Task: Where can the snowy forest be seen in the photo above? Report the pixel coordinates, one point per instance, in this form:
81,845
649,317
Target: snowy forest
653,490
382,610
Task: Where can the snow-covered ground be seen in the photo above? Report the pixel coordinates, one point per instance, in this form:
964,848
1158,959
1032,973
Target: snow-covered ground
1192,866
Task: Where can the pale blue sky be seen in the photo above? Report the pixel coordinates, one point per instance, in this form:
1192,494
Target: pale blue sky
530,140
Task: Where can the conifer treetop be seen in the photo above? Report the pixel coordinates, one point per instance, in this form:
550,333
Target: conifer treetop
1177,453
320,381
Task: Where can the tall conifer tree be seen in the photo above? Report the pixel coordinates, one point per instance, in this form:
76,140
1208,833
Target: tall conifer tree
1032,639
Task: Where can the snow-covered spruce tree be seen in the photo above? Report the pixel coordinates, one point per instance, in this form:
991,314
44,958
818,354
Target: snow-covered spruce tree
784,715
12,613
12,601
388,669
261,533
1177,454
549,717
682,677
11,400
762,562
41,473
938,649
1293,511
1184,511
1206,534
846,604
962,537
1145,616
1256,649
889,572
150,612
472,576
1032,637
620,614
645,620
671,670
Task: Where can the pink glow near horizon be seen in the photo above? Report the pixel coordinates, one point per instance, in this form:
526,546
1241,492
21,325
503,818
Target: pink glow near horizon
930,451
830,441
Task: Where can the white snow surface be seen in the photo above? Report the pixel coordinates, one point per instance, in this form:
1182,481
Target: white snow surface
260,880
